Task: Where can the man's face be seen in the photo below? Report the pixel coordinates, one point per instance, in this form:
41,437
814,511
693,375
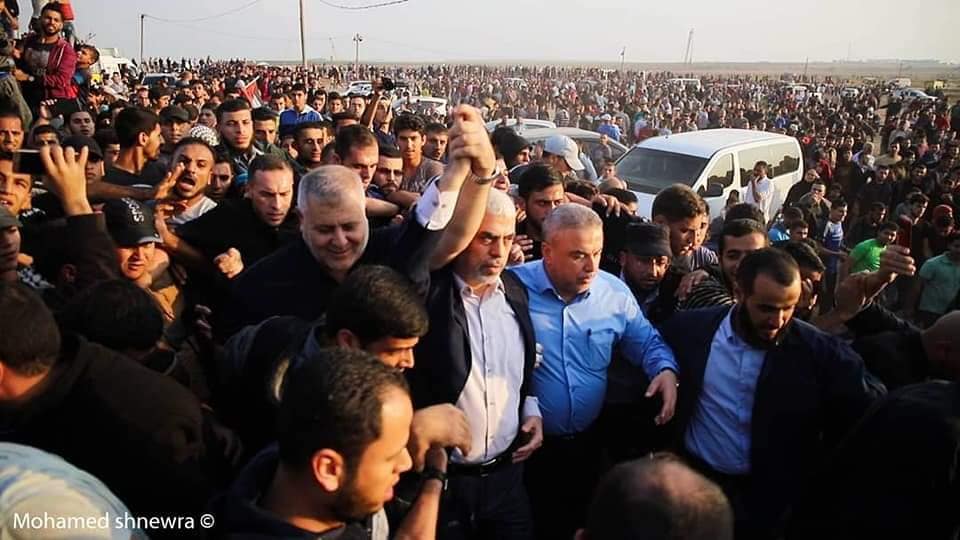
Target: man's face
336,233
643,272
172,132
208,118
299,99
883,174
523,157
9,249
381,464
838,213
886,237
319,101
52,22
816,192
85,58
220,180
917,209
143,98
770,305
572,259
759,171
336,105
435,146
94,170
604,139
135,260
161,102
735,249
683,234
609,171
265,131
110,153
919,173
236,129
877,215
389,173
357,105
271,193
14,188
11,134
539,204
954,248
486,255
810,290
309,145
197,161
393,351
411,144
154,142
42,139
363,160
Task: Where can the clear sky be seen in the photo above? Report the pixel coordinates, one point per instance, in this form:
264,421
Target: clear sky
571,30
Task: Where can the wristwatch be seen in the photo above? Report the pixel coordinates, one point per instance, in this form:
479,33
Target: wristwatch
488,179
433,473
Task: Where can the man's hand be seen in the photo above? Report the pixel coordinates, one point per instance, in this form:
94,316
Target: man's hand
20,75
613,206
469,140
443,425
664,384
894,261
533,425
525,244
66,177
689,282
162,191
229,263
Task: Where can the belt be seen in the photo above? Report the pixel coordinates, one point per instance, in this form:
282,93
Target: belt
481,469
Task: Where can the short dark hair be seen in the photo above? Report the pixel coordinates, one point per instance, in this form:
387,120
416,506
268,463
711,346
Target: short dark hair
625,196
94,53
678,202
791,214
738,228
838,203
117,314
53,6
537,177
265,162
634,500
29,337
744,211
918,198
333,399
390,152
892,226
343,115
581,188
877,205
435,127
409,122
375,302
262,114
133,121
774,263
298,87
302,126
805,255
232,106
47,128
356,136
78,111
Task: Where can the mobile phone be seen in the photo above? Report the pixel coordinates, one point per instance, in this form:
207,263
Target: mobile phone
905,232
27,162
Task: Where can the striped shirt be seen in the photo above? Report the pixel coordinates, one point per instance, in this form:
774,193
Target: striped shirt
709,292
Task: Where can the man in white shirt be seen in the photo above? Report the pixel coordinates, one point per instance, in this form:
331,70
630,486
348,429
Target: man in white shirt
760,191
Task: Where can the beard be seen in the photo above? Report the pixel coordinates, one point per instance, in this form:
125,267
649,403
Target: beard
349,504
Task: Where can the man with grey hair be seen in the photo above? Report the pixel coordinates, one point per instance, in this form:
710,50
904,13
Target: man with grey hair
479,355
580,314
335,235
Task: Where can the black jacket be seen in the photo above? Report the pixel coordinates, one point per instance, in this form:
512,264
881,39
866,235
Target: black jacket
443,357
234,224
291,282
139,432
811,389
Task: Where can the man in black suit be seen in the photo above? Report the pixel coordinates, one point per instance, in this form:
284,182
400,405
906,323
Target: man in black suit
479,354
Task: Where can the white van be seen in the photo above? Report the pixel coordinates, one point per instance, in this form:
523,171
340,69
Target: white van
687,84
713,162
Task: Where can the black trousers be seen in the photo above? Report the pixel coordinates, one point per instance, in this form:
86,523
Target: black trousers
561,477
491,506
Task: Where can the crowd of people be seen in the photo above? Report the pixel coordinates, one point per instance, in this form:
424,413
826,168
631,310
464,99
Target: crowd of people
246,305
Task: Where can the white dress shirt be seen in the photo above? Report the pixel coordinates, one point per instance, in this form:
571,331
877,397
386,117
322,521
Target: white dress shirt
491,397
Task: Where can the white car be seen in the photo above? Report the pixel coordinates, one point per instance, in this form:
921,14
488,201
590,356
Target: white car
850,93
362,88
912,94
521,125
427,105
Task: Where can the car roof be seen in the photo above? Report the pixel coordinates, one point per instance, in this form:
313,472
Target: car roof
707,142
541,134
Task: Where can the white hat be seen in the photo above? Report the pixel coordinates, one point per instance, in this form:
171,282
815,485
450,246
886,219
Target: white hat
605,117
561,145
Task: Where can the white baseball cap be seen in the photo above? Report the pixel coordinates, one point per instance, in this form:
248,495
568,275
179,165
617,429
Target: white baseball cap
561,145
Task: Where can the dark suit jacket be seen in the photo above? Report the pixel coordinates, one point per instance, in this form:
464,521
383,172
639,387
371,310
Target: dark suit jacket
443,355
811,390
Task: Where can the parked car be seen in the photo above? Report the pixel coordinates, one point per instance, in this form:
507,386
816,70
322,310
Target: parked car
151,79
912,94
431,106
521,125
588,140
850,92
712,162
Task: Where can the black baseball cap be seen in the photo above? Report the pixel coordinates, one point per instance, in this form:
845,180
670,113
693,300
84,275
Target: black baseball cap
130,222
648,240
79,141
174,113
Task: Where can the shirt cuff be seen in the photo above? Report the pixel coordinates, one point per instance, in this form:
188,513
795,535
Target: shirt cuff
531,407
435,208
665,363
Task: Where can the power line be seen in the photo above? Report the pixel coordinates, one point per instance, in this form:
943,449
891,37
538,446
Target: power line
209,17
366,6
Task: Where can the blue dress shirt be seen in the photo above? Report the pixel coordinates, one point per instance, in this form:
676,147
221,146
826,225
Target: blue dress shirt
719,432
291,117
578,340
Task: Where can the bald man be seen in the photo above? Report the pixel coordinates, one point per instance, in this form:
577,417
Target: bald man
907,355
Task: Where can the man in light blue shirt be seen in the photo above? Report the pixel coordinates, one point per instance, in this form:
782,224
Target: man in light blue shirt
579,315
300,112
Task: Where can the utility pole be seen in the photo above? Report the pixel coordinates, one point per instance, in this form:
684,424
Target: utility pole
900,69
357,38
806,63
623,52
142,16
688,56
303,40
333,51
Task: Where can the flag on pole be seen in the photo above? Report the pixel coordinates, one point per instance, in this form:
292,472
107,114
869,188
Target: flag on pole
252,92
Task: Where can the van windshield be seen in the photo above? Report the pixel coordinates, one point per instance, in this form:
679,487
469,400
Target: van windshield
649,171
